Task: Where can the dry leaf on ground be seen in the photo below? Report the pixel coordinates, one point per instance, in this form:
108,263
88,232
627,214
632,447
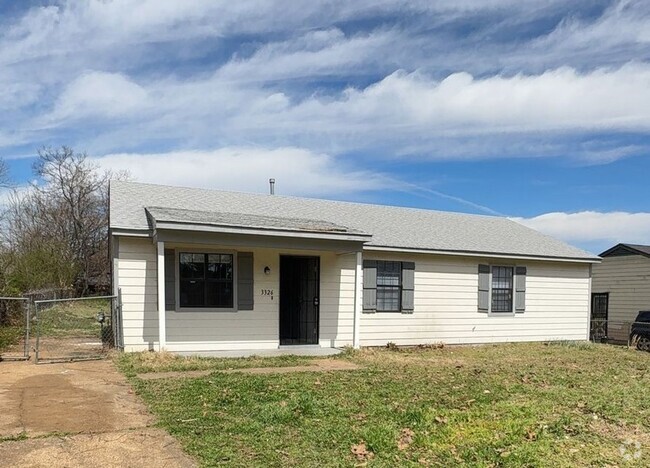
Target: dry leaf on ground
405,438
361,452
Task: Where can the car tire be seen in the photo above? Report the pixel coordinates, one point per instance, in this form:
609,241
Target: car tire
642,343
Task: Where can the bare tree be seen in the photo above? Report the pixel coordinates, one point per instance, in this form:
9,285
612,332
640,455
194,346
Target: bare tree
4,174
57,230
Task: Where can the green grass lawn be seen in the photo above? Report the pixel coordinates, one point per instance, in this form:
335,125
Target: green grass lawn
501,405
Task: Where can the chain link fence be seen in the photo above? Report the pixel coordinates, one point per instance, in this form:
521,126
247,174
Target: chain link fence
15,321
76,328
631,334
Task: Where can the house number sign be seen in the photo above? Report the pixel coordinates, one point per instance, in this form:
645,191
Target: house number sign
267,292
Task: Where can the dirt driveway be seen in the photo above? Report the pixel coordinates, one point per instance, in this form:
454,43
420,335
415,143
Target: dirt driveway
80,414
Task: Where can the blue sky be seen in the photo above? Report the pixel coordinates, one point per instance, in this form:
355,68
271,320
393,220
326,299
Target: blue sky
536,110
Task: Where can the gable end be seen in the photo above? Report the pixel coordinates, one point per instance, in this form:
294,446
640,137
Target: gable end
621,250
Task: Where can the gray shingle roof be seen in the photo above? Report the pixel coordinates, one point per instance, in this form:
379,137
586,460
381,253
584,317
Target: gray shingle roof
220,218
645,249
390,226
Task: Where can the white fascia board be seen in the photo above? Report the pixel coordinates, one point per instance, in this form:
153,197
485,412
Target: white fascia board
374,248
130,232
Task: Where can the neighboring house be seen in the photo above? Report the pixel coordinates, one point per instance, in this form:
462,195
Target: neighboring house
204,270
621,288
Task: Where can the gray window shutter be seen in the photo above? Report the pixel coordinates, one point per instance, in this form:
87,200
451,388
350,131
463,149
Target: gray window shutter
245,281
520,289
408,287
483,288
170,279
369,286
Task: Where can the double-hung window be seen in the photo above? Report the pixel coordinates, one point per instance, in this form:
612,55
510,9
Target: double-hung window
389,286
206,280
502,289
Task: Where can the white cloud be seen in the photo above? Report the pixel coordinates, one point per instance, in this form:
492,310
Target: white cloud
402,110
314,54
270,91
88,24
624,23
297,171
560,99
588,227
99,94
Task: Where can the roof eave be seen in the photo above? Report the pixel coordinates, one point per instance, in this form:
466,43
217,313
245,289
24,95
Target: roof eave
124,231
469,253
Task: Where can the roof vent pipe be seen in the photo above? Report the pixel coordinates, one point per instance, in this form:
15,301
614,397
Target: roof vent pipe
272,186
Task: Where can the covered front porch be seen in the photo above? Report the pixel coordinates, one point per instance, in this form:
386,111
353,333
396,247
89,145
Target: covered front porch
242,285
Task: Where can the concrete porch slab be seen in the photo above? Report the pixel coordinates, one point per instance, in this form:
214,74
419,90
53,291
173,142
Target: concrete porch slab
281,351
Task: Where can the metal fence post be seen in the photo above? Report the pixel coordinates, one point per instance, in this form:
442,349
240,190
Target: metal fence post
119,330
629,337
27,320
38,332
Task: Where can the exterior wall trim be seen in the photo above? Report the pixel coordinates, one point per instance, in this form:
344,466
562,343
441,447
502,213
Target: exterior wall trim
162,325
373,248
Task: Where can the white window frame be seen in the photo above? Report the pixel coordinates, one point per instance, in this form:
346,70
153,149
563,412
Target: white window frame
177,280
513,312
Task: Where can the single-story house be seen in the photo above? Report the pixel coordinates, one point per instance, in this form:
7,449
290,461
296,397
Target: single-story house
202,270
621,288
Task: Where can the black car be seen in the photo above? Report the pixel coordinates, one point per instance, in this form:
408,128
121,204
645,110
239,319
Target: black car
640,332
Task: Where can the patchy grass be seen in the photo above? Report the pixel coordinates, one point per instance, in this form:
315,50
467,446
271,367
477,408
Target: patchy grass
145,362
72,318
9,336
12,328
504,405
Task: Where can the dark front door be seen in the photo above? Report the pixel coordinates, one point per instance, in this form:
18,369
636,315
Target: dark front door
599,312
299,296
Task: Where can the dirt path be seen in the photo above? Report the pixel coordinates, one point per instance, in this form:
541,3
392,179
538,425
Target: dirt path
78,414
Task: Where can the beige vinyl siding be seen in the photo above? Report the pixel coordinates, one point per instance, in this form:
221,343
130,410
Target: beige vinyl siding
136,278
627,280
251,329
446,305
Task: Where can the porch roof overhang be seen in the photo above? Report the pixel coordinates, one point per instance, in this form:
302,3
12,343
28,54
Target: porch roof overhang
172,222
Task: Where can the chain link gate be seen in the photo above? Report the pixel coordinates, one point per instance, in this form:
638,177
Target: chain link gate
76,329
15,319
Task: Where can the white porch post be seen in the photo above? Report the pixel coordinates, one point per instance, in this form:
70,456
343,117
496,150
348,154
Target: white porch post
162,328
358,298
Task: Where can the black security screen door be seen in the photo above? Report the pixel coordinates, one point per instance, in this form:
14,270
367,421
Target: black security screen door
299,296
599,313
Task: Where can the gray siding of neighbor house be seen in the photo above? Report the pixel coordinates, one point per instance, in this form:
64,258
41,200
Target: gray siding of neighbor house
627,280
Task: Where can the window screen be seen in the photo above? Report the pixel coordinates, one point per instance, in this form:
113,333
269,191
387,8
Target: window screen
502,282
389,286
206,280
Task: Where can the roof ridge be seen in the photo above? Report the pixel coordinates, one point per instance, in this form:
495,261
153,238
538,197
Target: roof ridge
320,200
